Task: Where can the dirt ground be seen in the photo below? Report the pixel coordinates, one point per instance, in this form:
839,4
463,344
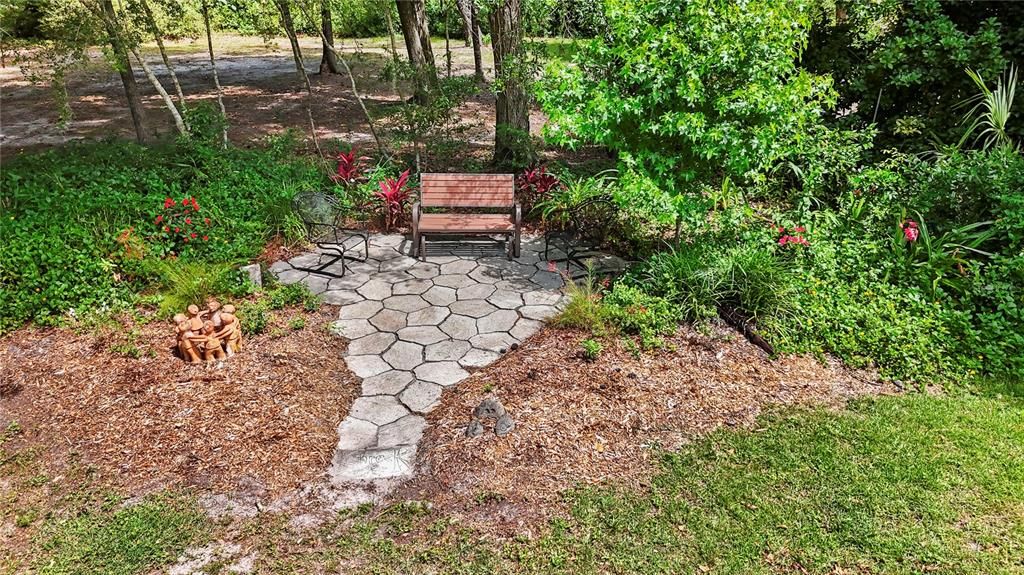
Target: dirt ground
582,422
263,93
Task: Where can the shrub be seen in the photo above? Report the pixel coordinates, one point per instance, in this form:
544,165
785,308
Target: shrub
636,312
591,349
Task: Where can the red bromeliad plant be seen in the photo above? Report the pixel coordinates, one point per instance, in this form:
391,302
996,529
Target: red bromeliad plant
178,225
350,167
793,238
533,184
394,194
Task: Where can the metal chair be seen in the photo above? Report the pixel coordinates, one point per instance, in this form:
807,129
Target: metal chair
329,227
589,224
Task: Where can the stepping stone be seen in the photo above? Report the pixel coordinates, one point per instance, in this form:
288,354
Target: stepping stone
382,253
348,281
472,307
405,431
375,290
458,267
378,409
541,298
454,281
399,263
441,372
475,291
501,320
424,270
356,434
505,299
451,350
406,303
290,276
387,383
415,287
316,284
547,280
388,240
441,258
499,342
369,464
340,297
525,328
432,315
366,365
393,277
279,266
486,274
306,260
361,310
404,355
516,284
421,396
369,267
389,320
424,334
538,312
373,344
459,327
440,295
478,358
352,328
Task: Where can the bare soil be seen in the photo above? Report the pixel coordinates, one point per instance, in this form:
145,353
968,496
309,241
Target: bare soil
581,423
263,93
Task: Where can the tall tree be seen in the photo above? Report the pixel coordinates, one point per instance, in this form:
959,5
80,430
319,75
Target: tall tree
124,69
216,78
329,61
474,27
284,10
512,118
158,36
467,20
412,17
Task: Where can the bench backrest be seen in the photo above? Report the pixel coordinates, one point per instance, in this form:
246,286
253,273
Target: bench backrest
467,190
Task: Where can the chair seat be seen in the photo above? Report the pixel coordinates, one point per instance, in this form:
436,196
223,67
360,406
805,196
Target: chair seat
466,223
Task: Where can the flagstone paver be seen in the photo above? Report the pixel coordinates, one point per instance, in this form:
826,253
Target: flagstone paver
415,327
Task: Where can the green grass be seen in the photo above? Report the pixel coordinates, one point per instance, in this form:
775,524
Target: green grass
128,540
897,485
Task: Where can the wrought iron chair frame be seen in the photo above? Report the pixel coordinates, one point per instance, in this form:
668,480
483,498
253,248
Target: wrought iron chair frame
330,236
571,239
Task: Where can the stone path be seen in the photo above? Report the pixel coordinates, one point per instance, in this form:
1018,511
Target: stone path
416,327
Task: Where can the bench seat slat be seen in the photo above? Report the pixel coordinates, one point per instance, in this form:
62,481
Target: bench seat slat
465,223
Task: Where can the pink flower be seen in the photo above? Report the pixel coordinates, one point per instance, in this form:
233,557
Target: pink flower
552,267
910,231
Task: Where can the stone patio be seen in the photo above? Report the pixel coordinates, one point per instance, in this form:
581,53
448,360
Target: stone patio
417,327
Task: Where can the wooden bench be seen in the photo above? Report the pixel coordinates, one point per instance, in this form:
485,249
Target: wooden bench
466,192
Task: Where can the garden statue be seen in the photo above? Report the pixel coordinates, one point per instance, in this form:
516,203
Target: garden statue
208,334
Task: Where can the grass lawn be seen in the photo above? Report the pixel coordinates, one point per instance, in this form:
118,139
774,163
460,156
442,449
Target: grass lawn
913,484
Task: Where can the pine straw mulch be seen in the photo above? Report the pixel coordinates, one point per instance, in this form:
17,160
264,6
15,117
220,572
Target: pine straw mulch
585,423
263,422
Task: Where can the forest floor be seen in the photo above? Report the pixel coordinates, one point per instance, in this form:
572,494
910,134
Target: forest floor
263,94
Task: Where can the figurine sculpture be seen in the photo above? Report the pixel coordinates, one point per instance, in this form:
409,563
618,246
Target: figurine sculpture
208,334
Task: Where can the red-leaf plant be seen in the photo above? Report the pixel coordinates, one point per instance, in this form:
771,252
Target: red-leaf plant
393,195
350,167
535,183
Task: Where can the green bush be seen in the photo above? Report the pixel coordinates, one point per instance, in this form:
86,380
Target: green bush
636,312
79,223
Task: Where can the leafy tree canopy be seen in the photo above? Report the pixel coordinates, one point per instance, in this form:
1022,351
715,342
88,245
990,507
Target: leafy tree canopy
687,90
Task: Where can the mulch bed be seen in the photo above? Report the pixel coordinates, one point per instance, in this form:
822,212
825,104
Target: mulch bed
586,423
262,422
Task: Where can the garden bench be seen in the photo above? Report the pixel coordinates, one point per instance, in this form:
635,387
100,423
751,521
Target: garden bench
332,228
466,204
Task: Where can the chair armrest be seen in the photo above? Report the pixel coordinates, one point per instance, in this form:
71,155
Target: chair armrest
517,214
416,216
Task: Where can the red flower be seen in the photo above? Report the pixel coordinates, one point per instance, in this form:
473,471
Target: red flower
177,229
186,240
206,238
188,221
799,230
193,235
184,201
206,221
159,218
167,228
168,203
552,267
195,205
910,231
782,230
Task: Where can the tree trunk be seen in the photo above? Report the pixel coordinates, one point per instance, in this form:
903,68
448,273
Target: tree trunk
478,57
155,30
178,122
216,78
328,62
412,18
512,118
289,29
124,69
467,19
